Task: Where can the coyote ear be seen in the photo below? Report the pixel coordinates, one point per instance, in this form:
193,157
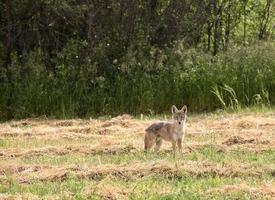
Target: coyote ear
174,109
184,109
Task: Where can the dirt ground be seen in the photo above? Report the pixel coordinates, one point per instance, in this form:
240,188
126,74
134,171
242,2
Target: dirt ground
103,150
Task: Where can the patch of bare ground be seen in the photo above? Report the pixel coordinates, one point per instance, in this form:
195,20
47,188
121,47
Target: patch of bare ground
266,191
83,149
28,173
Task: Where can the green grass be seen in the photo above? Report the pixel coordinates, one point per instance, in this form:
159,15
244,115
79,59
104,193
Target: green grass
202,172
29,143
152,187
207,153
149,187
214,154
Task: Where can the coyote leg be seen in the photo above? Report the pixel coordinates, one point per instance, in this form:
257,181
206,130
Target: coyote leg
180,145
149,141
158,143
174,148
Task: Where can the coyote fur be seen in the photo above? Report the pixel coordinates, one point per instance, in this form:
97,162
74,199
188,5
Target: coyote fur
172,131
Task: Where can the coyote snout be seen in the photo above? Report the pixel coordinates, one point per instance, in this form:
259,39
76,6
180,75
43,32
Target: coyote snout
172,131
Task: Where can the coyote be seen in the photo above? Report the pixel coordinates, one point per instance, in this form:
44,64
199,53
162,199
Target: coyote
172,131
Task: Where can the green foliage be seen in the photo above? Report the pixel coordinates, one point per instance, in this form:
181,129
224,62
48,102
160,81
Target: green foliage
77,59
140,84
233,102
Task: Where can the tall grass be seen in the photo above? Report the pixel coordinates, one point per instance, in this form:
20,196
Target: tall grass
233,102
82,86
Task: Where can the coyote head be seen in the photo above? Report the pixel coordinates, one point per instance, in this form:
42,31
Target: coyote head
179,115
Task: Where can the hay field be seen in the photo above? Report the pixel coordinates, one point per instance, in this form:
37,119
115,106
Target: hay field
225,156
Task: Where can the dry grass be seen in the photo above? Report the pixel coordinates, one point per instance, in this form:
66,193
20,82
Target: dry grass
105,158
262,191
132,171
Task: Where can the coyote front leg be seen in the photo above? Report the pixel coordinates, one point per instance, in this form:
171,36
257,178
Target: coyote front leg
180,145
174,147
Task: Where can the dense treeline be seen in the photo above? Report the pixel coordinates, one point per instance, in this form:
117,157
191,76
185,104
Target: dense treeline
71,58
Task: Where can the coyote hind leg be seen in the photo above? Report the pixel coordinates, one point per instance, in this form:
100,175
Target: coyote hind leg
158,143
149,141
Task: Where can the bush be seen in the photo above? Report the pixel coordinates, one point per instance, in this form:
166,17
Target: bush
81,85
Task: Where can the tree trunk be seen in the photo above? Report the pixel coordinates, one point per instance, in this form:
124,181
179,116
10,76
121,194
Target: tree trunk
7,63
216,27
209,33
264,20
130,22
153,18
228,26
90,35
244,22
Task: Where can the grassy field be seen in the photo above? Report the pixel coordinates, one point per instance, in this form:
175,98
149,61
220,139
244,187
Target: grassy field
225,156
